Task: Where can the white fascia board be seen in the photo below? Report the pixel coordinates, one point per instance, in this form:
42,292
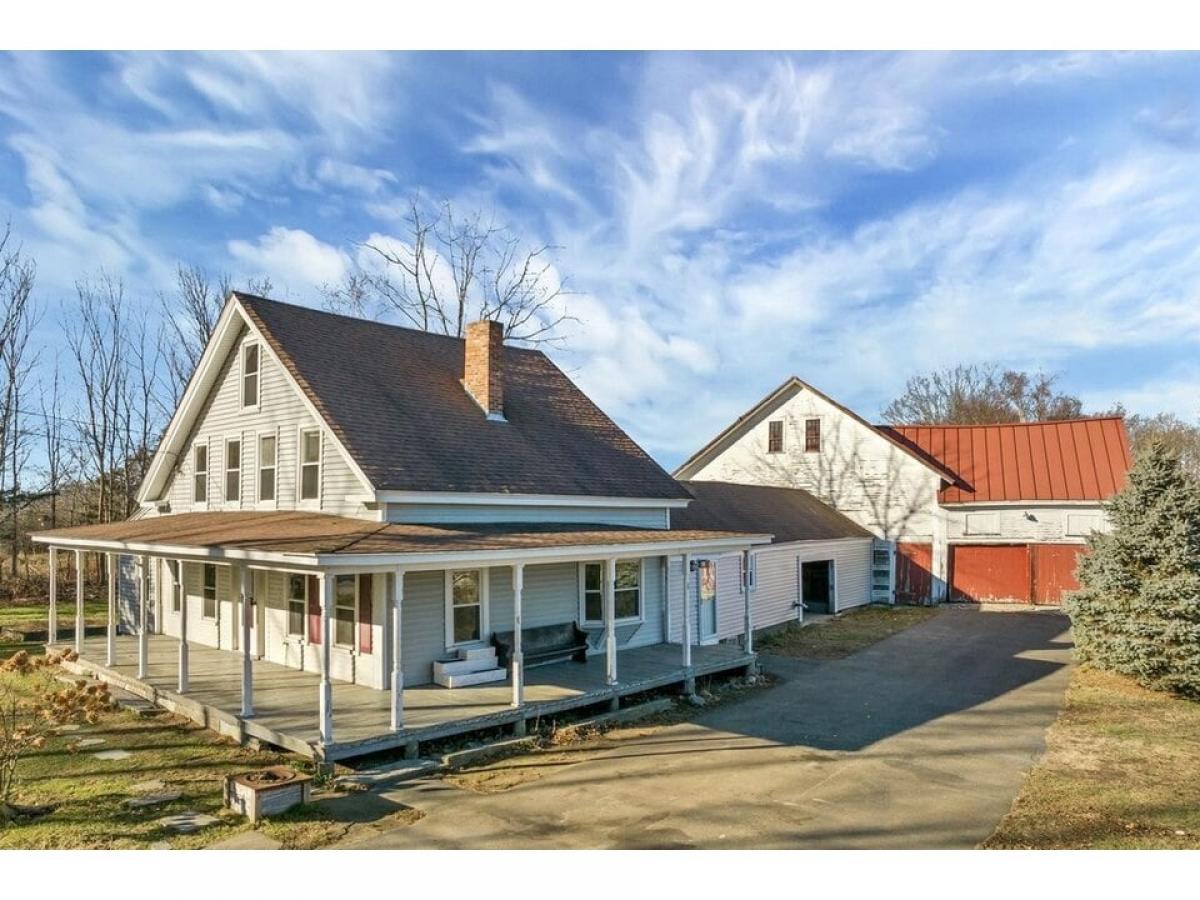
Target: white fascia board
435,560
427,560
462,498
198,388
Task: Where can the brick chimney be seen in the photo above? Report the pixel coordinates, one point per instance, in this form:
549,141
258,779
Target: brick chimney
483,369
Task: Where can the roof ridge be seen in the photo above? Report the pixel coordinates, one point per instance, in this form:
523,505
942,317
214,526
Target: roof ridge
256,298
1101,418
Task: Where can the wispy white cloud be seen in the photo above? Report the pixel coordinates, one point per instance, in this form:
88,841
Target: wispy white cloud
293,259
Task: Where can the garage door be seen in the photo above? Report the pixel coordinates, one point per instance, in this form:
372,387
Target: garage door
914,572
1013,572
992,572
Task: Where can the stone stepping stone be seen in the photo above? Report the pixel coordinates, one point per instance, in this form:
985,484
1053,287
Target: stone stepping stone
91,742
141,801
187,822
112,754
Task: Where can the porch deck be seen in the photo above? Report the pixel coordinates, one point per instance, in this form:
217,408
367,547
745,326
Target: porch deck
286,700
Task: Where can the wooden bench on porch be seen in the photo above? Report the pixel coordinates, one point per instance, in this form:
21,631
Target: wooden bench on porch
543,644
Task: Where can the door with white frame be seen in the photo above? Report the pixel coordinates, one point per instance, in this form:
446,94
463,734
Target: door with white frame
706,600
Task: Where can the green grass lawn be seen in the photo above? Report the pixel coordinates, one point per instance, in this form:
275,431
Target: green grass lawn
17,615
183,756
844,634
1121,771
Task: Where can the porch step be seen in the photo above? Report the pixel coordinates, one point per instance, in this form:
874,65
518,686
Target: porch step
470,678
475,659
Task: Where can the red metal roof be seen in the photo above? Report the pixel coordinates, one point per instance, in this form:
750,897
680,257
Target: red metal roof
1074,459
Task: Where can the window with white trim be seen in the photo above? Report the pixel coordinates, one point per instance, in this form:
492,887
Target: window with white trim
250,365
297,604
627,598
208,608
310,464
200,473
176,586
466,606
345,609
268,450
233,471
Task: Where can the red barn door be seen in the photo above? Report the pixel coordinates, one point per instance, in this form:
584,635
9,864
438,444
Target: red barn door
986,572
914,572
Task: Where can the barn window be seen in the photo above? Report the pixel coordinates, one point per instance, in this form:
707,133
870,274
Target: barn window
250,375
209,607
812,435
775,436
200,474
983,523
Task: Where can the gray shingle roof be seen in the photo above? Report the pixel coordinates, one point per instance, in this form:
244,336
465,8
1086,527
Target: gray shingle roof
791,514
394,398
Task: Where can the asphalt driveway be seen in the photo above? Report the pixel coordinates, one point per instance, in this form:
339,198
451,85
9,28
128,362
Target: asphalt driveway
921,740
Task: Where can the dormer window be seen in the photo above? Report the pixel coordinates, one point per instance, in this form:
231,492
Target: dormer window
250,366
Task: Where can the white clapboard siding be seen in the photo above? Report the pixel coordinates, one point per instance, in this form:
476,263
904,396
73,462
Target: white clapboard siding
282,412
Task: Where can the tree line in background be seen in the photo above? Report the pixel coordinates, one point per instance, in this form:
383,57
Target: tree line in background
80,417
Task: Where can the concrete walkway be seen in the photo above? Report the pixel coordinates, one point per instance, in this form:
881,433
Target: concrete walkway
919,741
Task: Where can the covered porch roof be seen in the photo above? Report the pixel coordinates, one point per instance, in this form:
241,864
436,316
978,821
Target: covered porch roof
321,540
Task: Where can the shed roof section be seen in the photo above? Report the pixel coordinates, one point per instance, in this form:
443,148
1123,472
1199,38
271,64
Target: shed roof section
395,399
790,514
1069,460
320,534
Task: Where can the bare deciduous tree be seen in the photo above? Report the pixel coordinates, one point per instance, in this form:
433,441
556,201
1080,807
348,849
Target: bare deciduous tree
449,269
55,462
191,314
1178,436
980,395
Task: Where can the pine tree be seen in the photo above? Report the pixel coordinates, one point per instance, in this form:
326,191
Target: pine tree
1138,607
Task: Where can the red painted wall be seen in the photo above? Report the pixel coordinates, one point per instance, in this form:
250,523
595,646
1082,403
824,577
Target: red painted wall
914,572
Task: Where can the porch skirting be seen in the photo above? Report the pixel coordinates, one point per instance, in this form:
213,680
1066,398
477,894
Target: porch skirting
286,699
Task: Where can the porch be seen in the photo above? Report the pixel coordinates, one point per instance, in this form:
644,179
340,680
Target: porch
285,707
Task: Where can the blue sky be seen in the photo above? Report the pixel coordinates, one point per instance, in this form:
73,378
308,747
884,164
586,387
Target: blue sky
725,220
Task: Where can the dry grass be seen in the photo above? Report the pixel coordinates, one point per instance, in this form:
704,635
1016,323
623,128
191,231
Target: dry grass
90,793
1121,771
844,634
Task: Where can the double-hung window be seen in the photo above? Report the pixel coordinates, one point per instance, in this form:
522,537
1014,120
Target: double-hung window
297,604
627,596
233,471
775,436
200,473
466,607
345,609
267,456
812,435
310,464
250,375
209,606
176,586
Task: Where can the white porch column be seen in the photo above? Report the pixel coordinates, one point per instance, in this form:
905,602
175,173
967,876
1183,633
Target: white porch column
518,657
687,618
610,628
397,646
79,601
110,655
326,704
183,627
244,577
748,624
52,625
143,617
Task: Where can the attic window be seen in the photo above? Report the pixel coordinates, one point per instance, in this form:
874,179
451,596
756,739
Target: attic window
250,375
775,436
812,435
200,475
